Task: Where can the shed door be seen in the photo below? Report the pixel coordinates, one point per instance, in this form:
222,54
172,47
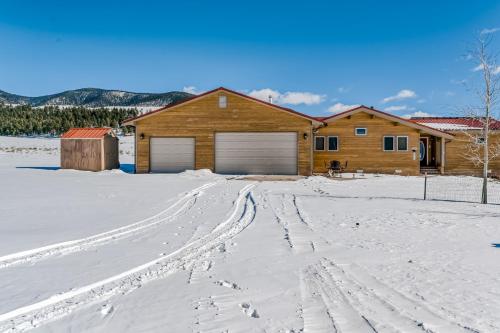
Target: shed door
171,154
256,153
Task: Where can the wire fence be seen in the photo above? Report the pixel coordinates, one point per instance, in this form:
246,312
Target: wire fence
466,189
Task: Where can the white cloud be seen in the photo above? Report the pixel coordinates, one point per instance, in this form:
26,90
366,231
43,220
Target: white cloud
264,94
403,94
306,98
459,82
191,90
289,97
494,71
489,31
343,90
398,108
340,107
422,100
417,114
478,68
449,93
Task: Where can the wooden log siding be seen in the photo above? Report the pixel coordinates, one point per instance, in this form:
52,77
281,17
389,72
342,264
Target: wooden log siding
111,152
202,118
81,154
457,164
366,152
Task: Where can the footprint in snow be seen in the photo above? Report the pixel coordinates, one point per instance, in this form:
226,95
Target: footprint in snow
206,265
106,309
249,310
221,248
227,284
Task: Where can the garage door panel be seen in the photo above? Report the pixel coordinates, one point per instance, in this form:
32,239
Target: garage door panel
257,145
172,154
256,153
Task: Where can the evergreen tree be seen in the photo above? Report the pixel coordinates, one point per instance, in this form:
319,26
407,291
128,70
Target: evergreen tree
53,120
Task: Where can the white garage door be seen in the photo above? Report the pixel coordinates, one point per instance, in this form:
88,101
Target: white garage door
256,153
171,154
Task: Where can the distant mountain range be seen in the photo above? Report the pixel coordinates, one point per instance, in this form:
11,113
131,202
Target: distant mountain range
93,97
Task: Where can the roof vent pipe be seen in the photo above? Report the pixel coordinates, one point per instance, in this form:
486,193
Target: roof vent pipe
270,99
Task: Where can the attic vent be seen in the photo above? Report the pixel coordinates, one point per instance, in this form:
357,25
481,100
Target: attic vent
222,101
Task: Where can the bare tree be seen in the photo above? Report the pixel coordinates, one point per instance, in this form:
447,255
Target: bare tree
481,149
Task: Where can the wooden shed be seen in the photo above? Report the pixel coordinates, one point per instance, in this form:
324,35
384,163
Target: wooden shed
91,149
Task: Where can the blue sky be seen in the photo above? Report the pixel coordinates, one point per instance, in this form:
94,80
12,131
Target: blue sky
313,56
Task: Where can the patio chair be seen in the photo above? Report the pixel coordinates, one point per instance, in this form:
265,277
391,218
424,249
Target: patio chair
335,168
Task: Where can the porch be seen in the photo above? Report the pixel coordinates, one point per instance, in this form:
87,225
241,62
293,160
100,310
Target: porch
432,154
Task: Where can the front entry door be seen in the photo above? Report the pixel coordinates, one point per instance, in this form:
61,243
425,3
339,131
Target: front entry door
424,158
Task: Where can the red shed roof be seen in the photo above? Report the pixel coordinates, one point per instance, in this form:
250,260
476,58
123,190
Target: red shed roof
86,133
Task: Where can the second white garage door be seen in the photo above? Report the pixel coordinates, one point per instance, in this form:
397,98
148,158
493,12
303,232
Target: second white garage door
171,154
256,153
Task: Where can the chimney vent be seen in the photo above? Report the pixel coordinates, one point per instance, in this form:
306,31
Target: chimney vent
270,99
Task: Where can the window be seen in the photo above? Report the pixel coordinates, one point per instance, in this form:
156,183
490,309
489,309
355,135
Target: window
402,143
319,143
360,131
480,140
388,143
222,101
393,143
333,143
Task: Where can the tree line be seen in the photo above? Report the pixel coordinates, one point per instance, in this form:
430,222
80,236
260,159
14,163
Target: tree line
54,120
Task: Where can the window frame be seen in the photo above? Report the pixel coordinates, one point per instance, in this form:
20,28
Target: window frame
356,131
224,104
393,143
407,142
328,141
324,143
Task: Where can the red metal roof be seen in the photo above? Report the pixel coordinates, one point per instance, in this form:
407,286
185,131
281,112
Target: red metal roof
220,89
466,122
86,133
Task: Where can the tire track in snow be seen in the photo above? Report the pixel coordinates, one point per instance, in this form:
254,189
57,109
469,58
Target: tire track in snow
168,214
386,307
298,232
299,212
360,303
295,229
200,269
325,308
304,217
33,315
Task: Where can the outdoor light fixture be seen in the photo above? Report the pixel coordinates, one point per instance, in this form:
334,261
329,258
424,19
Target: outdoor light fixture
142,136
306,136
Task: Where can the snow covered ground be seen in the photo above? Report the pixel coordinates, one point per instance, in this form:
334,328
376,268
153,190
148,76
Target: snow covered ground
197,252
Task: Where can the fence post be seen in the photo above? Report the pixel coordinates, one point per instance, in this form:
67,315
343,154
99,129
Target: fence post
425,186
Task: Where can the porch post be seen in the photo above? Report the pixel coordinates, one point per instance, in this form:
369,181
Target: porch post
443,154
